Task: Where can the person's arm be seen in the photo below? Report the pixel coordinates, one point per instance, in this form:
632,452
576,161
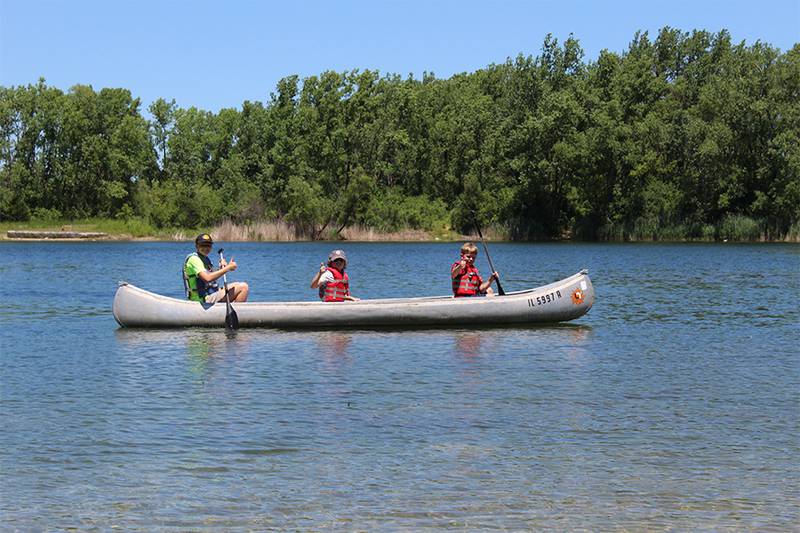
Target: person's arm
320,272
488,283
458,269
213,275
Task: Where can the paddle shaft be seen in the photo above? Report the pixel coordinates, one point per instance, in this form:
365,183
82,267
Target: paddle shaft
231,319
224,276
488,257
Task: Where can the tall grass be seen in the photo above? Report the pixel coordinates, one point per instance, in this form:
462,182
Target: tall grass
733,228
265,230
280,231
361,233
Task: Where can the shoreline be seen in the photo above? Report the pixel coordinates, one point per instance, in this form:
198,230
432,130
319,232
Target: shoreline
109,230
463,238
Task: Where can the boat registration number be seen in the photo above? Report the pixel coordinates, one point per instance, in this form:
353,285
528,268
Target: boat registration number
544,299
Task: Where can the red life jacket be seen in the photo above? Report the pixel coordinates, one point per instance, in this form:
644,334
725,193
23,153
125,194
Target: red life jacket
336,290
468,283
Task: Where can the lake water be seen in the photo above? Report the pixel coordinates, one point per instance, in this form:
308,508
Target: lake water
674,404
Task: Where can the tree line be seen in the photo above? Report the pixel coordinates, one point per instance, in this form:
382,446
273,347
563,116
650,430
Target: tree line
679,136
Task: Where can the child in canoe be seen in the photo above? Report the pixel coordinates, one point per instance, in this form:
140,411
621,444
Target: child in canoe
332,281
466,279
200,277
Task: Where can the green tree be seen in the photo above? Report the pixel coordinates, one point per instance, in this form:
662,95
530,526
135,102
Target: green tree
163,113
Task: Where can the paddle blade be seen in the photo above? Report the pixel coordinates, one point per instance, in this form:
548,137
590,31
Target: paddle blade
231,318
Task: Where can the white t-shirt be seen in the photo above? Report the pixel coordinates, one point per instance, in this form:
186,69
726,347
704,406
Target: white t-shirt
326,277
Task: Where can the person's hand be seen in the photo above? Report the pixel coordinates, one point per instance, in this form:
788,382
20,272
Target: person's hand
322,268
231,265
463,263
495,275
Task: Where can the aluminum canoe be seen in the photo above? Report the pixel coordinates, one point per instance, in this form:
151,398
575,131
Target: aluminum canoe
560,301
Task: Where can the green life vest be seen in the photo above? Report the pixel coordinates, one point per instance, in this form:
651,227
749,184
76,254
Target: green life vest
197,289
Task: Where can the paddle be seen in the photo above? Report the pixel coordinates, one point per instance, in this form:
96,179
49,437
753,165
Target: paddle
486,249
231,318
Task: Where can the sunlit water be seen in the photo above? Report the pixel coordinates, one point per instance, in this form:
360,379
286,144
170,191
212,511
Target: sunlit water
674,404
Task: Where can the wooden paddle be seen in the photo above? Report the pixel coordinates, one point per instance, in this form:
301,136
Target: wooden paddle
500,290
231,318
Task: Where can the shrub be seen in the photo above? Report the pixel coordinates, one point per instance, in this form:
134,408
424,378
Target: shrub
307,207
740,228
393,211
44,214
125,213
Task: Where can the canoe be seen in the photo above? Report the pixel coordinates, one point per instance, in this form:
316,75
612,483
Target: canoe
560,301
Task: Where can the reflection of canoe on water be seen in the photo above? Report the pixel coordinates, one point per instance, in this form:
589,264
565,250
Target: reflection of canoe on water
560,301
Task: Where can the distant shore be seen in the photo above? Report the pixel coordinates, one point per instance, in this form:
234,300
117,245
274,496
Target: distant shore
266,231
98,229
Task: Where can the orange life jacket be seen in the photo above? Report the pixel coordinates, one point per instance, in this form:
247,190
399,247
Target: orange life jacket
468,283
335,291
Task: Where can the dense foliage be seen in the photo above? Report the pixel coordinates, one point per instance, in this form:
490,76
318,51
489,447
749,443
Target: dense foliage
688,135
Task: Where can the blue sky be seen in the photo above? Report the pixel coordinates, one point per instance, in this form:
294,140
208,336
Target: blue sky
218,54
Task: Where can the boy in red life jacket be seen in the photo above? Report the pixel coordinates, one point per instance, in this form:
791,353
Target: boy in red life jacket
465,277
332,281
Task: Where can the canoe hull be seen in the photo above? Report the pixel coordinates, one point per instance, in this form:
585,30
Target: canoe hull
560,301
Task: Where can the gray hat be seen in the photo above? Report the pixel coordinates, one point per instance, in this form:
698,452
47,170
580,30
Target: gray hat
337,254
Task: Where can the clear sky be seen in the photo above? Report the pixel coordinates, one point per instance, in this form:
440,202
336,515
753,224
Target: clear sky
215,54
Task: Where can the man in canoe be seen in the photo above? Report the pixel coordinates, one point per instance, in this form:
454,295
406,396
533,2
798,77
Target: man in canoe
465,277
331,279
200,278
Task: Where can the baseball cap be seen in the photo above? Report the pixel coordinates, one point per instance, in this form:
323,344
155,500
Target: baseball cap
204,238
337,254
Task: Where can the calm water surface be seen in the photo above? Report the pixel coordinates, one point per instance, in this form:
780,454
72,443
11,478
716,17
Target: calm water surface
674,404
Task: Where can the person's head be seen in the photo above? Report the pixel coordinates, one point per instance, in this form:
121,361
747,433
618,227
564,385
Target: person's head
337,259
469,252
203,243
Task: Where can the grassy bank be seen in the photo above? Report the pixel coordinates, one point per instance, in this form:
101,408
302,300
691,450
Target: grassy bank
114,228
731,229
